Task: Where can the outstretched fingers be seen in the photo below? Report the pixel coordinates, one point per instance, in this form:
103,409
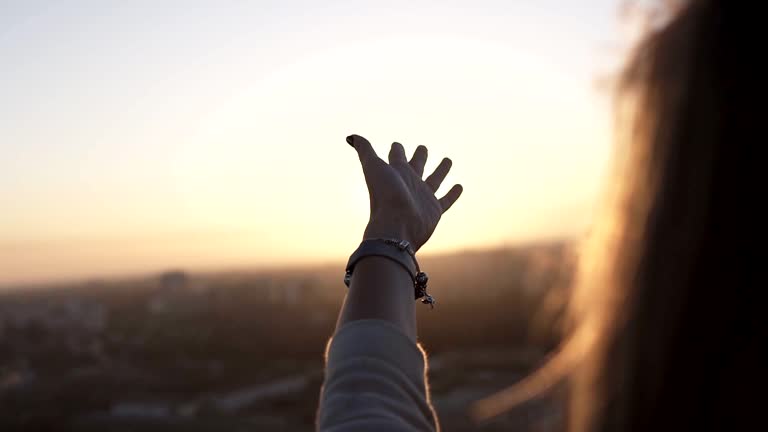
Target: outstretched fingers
397,154
447,201
368,156
418,160
436,178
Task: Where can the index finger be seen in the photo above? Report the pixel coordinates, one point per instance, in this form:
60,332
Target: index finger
364,149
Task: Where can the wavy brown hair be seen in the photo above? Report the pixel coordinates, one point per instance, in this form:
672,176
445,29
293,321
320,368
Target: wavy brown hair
667,327
672,315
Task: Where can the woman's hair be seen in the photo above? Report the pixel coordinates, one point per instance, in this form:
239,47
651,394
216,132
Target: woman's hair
666,326
665,299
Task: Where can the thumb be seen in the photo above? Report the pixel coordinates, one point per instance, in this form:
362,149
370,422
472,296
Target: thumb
365,151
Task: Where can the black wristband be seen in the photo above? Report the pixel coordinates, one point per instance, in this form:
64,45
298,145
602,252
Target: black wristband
382,248
399,251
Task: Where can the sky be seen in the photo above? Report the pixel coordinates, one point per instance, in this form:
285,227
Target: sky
144,135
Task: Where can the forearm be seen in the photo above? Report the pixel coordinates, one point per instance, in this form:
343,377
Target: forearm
375,376
381,289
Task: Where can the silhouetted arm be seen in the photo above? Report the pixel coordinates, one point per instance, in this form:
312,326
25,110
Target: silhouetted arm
403,207
375,377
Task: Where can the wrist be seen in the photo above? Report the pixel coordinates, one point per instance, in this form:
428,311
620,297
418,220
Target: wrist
393,225
399,252
388,231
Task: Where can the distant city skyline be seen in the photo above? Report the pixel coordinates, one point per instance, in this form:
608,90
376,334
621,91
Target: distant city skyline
143,136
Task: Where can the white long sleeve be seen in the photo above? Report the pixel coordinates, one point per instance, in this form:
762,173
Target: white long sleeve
375,380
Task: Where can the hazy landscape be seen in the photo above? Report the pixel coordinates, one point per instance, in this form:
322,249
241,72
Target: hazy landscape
160,160
244,350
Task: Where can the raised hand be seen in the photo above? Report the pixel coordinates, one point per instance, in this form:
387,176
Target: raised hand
403,206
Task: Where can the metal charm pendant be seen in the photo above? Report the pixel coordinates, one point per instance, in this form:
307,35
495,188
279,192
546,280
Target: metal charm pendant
420,285
428,299
421,280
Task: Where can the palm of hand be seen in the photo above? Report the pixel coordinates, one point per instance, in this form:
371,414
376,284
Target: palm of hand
403,205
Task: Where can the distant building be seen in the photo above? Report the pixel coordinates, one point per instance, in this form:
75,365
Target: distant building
268,290
289,291
66,314
177,292
174,280
171,292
